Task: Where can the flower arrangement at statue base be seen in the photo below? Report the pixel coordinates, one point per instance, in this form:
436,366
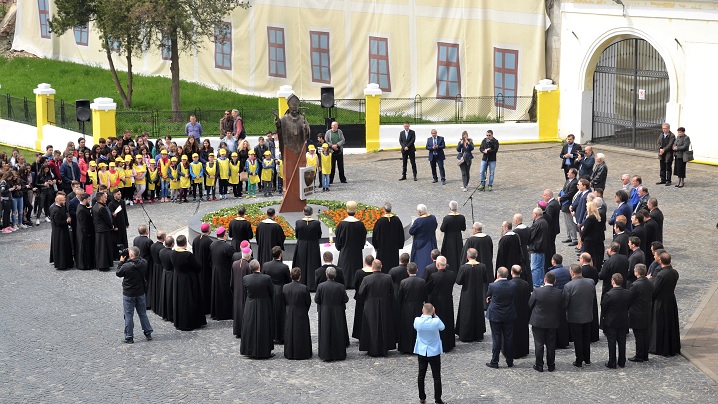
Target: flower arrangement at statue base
334,213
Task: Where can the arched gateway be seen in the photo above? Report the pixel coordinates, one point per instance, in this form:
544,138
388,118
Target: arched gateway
631,87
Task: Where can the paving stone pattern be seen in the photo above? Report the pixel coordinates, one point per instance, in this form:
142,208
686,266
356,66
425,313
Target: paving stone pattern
60,332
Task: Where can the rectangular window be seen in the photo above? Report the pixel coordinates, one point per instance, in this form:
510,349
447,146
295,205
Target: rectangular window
448,71
43,7
277,57
81,35
166,47
379,63
223,46
506,70
319,47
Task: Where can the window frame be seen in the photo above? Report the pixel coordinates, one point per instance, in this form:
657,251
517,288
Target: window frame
44,23
504,72
220,42
82,30
378,58
320,51
278,47
448,65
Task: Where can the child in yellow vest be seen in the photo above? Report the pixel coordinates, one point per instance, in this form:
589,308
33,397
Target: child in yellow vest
280,173
139,172
115,177
128,180
185,178
325,166
210,177
252,169
103,176
223,168
164,165
267,173
91,179
234,170
197,174
152,180
173,175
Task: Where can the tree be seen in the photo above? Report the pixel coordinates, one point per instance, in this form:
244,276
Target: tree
119,24
183,26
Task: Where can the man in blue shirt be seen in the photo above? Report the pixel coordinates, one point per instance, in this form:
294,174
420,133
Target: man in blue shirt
429,349
193,128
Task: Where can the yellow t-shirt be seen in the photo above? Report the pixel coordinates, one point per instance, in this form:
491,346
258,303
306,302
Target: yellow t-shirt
234,173
103,177
152,174
196,171
185,178
92,175
312,161
253,179
139,170
128,179
175,175
210,169
267,170
326,163
164,167
115,180
223,168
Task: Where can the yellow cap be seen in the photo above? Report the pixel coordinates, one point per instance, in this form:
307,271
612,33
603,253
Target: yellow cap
211,155
128,158
234,154
163,152
119,160
102,165
222,152
325,145
195,155
173,159
92,163
312,147
184,157
112,164
152,161
139,156
252,152
267,153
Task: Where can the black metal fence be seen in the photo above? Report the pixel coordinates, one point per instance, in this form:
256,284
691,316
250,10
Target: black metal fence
458,110
18,109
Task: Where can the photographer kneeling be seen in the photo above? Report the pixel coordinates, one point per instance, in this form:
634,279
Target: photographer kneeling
133,269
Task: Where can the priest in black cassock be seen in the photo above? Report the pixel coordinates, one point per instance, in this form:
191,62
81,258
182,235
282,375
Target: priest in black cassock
279,273
484,246
472,276
398,274
388,238
412,295
240,229
165,309
85,240
155,282
524,233
510,252
60,243
359,276
296,301
665,328
240,269
269,234
307,255
521,305
431,268
102,219
351,237
440,289
143,242
187,303
452,226
331,299
377,330
221,252
120,222
201,250
258,319
320,275
424,231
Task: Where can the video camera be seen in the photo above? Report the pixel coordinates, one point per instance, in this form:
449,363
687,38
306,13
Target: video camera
124,252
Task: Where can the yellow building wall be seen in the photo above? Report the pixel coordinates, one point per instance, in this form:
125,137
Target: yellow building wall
412,27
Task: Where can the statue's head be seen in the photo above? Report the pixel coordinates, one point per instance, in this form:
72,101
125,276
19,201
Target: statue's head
293,103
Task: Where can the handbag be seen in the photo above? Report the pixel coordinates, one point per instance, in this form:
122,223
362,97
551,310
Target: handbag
688,154
460,160
243,176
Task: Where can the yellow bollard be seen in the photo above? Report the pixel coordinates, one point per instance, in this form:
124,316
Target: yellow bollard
44,110
104,122
372,94
548,101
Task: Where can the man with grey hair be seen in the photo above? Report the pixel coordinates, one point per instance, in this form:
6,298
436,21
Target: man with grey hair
453,225
510,252
258,320
626,183
538,246
440,288
569,190
473,278
424,231
239,131
665,153
331,299
600,172
388,238
134,272
578,297
484,246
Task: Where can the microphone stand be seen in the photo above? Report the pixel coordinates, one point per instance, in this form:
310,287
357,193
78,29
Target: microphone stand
471,199
149,220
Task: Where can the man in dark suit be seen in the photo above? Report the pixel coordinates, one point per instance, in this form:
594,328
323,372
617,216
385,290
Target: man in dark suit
407,138
657,216
665,153
614,320
553,209
578,298
637,257
620,236
623,208
436,145
578,206
639,312
570,187
501,314
615,264
569,152
589,272
545,306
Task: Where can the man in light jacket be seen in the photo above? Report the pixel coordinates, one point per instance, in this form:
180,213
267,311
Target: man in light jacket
429,349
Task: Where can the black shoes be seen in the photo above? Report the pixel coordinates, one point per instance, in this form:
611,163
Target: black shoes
608,365
148,336
636,359
660,182
128,341
552,368
434,182
415,179
566,241
538,368
573,243
668,183
492,365
402,178
577,364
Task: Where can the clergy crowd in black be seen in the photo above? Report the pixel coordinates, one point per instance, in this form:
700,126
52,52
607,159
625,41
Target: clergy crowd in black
269,303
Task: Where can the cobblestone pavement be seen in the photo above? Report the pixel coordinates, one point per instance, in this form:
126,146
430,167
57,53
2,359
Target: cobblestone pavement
60,332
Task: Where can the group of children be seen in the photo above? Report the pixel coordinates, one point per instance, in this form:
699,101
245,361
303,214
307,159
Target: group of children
170,179
322,163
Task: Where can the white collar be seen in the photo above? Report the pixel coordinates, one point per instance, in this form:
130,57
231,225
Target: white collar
268,220
510,233
521,226
478,235
350,219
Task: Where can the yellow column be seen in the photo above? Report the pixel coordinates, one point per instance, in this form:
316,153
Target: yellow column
372,93
548,100
103,119
282,95
44,109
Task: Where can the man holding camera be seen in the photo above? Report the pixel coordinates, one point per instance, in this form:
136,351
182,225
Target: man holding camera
134,269
428,349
